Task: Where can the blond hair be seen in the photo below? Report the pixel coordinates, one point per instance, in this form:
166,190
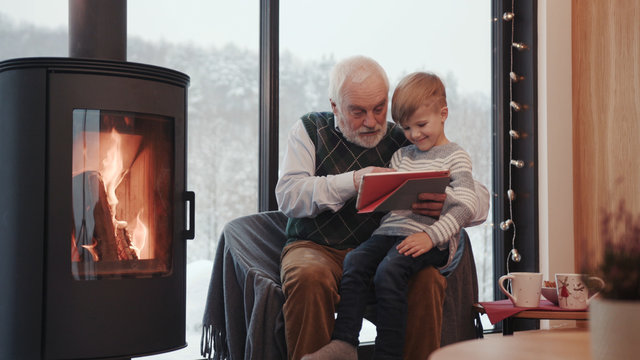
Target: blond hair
416,90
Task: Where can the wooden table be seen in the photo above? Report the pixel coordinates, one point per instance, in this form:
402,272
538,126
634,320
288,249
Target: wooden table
507,324
524,345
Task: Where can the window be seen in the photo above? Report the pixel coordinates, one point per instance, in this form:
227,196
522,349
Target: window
33,28
221,58
406,37
217,46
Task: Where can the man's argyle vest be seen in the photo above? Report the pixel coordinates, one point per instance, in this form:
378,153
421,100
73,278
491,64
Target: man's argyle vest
335,155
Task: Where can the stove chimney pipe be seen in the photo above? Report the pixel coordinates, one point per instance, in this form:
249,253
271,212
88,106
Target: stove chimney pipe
98,29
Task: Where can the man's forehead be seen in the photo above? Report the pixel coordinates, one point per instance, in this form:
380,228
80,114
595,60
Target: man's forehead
365,80
363,104
365,94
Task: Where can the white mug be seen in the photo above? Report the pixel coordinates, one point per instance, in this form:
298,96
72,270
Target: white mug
572,291
525,286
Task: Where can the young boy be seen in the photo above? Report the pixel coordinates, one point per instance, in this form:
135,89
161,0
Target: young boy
405,242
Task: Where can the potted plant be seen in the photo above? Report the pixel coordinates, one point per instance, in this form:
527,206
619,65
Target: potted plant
615,313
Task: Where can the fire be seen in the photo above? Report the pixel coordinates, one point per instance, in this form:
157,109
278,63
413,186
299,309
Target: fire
139,238
113,172
92,250
75,255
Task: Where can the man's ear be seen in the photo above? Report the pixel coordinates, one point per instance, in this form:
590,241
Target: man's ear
444,113
334,107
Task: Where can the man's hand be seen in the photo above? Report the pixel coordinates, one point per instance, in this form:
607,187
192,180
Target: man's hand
415,244
357,175
429,204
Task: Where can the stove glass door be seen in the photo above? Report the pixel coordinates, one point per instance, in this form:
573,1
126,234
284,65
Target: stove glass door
121,195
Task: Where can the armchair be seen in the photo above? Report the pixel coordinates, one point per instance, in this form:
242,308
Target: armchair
243,316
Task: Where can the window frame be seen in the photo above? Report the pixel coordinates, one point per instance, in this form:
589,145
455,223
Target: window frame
268,104
524,180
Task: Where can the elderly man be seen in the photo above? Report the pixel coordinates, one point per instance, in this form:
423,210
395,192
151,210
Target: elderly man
327,155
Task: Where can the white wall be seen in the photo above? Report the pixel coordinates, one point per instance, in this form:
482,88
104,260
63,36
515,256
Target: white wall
555,147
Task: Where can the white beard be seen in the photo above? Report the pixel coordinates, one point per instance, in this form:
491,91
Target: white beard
353,136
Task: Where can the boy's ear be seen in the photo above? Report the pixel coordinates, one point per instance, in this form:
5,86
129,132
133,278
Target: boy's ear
444,113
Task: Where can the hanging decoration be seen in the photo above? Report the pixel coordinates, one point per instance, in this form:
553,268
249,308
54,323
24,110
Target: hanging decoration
514,106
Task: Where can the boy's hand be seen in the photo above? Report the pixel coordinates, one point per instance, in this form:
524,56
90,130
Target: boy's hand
415,244
429,204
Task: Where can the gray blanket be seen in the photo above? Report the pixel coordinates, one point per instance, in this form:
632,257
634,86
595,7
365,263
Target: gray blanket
243,315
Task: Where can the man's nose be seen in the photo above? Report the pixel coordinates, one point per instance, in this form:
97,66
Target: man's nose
369,120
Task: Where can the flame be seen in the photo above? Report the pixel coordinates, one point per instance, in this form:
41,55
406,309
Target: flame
92,250
75,255
113,154
112,172
139,238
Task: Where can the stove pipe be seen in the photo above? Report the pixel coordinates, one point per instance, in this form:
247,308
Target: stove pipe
98,29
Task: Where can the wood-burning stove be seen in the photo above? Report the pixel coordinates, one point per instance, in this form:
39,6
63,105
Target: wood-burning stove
94,210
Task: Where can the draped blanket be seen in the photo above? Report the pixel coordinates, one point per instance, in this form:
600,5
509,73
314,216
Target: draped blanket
243,316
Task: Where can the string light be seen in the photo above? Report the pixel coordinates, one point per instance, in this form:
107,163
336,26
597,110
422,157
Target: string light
520,46
515,255
515,77
505,225
508,16
509,223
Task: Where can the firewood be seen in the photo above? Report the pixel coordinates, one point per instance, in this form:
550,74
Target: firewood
125,252
98,242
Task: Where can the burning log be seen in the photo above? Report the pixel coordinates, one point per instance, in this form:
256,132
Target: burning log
123,242
102,231
95,230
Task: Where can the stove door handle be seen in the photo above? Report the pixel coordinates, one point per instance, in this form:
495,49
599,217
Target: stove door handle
190,197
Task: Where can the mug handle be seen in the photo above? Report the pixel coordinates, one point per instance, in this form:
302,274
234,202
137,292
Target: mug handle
501,284
600,281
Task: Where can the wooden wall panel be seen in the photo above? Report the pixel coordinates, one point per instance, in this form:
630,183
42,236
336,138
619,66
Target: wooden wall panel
606,116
